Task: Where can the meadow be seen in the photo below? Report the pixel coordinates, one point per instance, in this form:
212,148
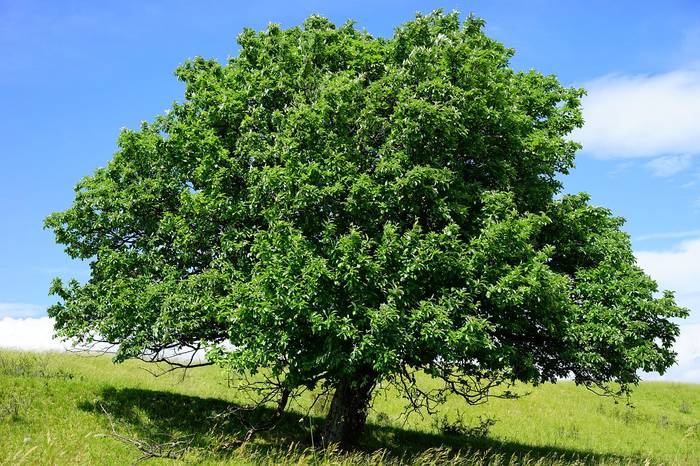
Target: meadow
61,408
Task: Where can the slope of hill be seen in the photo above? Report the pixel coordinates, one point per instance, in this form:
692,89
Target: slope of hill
58,408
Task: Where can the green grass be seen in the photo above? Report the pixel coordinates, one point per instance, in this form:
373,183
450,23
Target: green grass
52,411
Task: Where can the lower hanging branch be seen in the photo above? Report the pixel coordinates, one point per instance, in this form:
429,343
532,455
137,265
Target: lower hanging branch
255,428
274,420
174,448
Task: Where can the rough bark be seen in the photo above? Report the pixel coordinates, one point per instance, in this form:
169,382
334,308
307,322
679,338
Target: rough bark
348,412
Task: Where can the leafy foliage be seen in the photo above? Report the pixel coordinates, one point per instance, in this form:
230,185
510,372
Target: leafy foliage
330,205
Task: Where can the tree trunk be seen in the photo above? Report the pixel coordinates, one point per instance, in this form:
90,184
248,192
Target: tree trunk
348,412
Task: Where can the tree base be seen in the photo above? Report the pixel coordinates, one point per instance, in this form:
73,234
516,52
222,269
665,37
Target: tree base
347,415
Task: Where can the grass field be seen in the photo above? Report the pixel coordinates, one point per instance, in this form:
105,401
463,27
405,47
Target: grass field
64,408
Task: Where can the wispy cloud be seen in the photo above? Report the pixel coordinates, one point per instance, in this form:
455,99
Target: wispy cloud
670,164
669,235
21,310
643,116
621,168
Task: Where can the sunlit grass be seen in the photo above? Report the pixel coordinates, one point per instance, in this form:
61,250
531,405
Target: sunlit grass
52,411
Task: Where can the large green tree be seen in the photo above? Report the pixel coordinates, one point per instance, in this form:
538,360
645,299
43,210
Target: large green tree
339,210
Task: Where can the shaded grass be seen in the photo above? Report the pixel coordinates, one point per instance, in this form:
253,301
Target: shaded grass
55,404
156,415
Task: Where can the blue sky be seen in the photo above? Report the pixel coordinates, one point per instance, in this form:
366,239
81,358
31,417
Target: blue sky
73,73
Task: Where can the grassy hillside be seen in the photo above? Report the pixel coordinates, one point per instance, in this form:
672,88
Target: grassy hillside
63,409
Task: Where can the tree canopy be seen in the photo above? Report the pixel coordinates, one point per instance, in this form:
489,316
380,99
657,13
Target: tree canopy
340,209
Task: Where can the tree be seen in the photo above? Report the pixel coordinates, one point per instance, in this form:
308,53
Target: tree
338,210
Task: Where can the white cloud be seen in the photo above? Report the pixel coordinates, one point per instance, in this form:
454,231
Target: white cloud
687,367
20,310
669,165
36,334
29,334
688,349
642,115
678,269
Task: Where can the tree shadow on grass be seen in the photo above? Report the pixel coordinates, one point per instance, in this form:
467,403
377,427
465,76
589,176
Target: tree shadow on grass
211,423
160,416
